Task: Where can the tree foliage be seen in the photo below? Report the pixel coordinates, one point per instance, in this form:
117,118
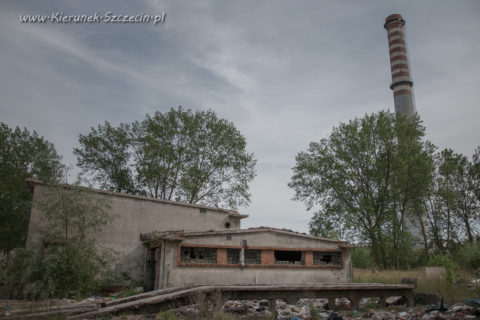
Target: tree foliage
105,153
23,154
72,214
366,178
452,207
69,264
180,155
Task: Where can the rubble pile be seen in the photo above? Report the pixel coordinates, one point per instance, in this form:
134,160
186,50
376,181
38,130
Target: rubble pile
253,309
308,309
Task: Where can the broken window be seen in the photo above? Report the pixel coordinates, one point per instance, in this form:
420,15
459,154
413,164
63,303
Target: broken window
252,256
289,257
233,256
327,258
198,255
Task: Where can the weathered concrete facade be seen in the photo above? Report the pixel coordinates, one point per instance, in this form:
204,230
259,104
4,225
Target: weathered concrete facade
280,257
134,215
168,244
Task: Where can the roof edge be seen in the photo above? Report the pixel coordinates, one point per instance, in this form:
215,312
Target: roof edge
151,236
232,213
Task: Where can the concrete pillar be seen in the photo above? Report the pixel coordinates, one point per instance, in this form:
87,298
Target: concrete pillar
409,298
381,302
272,305
331,303
354,302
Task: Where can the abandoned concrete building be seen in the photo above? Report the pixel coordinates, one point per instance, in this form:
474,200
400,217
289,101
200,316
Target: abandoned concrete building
167,243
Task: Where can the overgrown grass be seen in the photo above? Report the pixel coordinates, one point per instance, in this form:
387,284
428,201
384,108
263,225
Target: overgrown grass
451,291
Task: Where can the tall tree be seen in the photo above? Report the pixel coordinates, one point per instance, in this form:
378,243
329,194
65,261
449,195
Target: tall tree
23,154
105,154
457,189
180,155
363,178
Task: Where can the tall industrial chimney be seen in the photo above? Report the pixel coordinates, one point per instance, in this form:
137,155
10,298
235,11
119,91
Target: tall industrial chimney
401,81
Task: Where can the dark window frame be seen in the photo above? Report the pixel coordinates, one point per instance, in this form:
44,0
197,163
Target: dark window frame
327,258
198,255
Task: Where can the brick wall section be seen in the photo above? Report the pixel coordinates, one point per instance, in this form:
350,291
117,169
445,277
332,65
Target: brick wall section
221,256
267,257
308,258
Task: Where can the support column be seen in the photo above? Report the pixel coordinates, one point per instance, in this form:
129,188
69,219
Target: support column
409,297
272,305
354,302
331,303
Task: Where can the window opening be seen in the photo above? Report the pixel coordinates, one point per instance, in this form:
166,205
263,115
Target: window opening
252,256
233,256
327,258
198,255
289,257
227,225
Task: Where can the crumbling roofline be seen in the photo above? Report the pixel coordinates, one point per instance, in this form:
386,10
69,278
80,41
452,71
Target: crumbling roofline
232,213
176,236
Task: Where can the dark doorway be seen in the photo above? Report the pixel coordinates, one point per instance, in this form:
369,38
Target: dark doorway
150,268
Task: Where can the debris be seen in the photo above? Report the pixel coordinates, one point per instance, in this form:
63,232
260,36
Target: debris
426,298
396,300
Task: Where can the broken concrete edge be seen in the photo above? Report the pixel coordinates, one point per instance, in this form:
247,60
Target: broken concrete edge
353,292
148,294
180,235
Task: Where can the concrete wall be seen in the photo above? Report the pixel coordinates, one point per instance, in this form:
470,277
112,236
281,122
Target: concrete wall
133,216
171,274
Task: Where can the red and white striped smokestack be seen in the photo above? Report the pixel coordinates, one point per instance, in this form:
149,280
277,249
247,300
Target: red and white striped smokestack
402,84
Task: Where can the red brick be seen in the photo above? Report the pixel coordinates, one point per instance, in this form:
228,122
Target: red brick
267,257
221,256
308,258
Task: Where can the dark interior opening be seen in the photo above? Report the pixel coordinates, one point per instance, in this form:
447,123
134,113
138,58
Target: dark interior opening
288,257
150,269
227,225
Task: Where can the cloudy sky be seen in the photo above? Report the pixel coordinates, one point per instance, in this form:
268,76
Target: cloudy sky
284,72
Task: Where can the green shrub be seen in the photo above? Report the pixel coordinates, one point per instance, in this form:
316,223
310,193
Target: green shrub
362,258
468,255
446,262
69,270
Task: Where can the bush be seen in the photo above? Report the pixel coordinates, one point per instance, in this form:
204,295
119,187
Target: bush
362,258
442,261
61,271
469,255
446,262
